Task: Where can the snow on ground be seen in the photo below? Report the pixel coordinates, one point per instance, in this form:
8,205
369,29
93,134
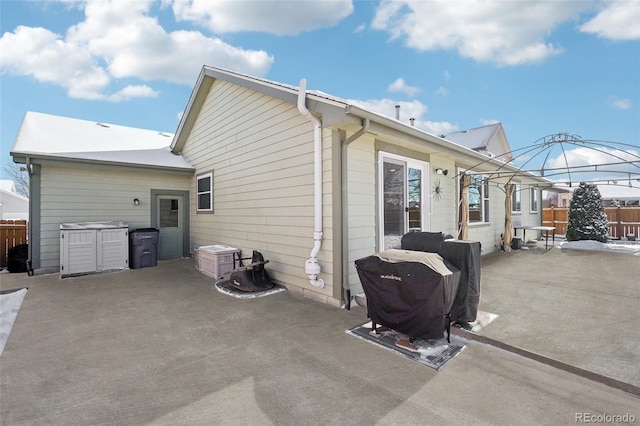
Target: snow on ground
619,247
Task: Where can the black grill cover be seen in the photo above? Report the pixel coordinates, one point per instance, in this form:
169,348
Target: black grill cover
408,297
466,256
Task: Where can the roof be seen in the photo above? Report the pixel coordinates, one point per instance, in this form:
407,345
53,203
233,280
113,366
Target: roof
475,138
8,185
618,191
480,139
55,137
334,111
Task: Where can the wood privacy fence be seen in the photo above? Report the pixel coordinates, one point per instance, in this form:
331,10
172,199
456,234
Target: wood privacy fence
12,233
622,220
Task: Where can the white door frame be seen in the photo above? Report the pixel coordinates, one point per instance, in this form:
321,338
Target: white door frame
409,163
184,218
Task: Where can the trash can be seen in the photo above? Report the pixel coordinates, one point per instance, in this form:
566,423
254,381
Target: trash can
17,258
143,248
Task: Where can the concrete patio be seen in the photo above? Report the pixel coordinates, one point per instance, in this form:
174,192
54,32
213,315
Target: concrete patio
161,346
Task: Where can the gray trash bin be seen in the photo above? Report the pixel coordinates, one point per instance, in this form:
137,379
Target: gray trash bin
143,248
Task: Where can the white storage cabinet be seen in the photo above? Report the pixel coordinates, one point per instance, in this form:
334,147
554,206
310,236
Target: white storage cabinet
216,260
88,247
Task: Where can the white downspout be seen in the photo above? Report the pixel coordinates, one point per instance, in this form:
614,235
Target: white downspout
311,266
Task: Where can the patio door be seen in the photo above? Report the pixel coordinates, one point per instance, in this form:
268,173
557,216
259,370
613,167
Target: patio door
404,199
171,225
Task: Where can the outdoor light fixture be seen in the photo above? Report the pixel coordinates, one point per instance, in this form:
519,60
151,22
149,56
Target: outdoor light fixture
440,171
136,202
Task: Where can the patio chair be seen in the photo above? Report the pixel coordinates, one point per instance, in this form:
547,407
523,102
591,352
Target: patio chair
252,277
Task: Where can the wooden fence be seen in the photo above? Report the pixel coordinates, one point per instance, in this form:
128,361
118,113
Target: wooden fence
622,220
12,233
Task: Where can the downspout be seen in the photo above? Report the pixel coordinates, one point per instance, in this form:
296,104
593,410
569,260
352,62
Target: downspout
312,267
29,168
345,212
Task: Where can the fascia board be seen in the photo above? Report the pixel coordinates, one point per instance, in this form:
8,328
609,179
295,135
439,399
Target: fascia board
36,158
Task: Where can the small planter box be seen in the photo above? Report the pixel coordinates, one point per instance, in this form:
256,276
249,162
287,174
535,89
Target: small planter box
215,261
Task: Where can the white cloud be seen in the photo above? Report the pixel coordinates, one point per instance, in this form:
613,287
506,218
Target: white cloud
119,39
360,28
438,128
412,109
44,56
446,75
401,86
619,103
486,122
597,156
617,21
442,91
280,17
506,33
131,92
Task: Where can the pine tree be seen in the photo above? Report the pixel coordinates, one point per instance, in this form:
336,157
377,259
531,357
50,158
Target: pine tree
587,217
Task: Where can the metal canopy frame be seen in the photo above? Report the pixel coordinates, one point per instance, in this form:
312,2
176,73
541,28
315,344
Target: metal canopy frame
620,165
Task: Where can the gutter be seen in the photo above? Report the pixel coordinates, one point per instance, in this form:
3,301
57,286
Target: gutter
312,267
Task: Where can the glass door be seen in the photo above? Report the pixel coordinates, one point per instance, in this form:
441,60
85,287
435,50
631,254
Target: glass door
404,201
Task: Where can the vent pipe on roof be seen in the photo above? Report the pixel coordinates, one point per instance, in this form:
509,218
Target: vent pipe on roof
312,267
413,122
397,112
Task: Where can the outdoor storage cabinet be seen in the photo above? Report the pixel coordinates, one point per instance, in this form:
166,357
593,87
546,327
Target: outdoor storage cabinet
215,261
87,247
144,247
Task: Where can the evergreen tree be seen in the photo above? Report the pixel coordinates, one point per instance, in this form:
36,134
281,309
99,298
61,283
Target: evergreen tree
587,217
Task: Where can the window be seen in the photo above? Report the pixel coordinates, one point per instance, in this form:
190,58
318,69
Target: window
516,202
534,200
205,192
404,200
478,199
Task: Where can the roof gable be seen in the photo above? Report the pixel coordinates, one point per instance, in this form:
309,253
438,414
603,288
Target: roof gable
490,140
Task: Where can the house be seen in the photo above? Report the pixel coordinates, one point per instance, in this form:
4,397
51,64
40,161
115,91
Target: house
311,180
13,206
613,194
489,140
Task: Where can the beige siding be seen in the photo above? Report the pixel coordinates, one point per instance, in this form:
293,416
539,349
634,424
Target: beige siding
444,217
361,205
70,194
261,152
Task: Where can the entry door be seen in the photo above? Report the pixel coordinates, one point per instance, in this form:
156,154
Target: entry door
171,226
404,198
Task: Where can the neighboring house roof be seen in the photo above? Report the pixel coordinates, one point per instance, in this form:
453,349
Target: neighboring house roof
45,136
8,185
490,140
13,205
619,192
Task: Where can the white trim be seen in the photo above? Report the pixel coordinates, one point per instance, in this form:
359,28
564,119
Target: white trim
485,198
410,163
210,192
537,198
517,194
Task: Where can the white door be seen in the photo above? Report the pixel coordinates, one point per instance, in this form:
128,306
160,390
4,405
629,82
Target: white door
170,225
404,198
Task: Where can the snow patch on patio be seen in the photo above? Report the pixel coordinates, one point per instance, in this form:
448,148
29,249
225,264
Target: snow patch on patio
9,306
619,247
